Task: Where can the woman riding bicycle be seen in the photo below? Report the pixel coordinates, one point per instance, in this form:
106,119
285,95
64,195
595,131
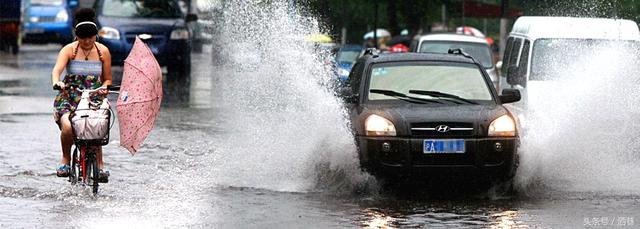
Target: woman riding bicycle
88,69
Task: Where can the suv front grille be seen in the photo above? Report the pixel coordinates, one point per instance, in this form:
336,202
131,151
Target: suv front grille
442,129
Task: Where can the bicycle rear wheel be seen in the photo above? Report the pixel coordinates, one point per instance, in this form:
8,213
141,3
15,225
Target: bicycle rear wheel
74,171
94,173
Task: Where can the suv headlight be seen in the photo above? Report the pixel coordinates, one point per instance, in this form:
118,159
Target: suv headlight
179,34
503,126
376,125
62,16
109,33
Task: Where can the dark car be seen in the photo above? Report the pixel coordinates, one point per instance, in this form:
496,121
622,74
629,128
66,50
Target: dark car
10,26
429,114
159,23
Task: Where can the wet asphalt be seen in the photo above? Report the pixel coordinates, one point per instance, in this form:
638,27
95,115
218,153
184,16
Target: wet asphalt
172,181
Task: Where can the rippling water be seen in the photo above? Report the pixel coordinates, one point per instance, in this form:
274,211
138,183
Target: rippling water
264,143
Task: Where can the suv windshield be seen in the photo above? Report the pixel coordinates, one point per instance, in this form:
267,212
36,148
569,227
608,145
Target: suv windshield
553,58
461,80
481,52
46,2
141,8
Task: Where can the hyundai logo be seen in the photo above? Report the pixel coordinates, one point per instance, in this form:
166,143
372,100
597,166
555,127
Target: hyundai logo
145,36
443,128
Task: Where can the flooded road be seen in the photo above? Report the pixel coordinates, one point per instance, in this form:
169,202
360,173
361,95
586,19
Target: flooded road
176,179
259,142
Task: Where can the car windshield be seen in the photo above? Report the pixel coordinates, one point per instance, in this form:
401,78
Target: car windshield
552,57
462,80
348,56
141,8
481,52
46,2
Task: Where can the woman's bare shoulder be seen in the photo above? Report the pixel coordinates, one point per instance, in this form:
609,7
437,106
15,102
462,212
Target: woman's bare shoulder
68,49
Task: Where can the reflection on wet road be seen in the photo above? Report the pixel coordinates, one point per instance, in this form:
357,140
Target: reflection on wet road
182,178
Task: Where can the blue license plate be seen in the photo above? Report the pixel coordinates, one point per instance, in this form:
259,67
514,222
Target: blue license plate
443,146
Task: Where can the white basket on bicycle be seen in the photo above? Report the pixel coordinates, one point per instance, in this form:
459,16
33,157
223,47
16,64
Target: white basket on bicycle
91,123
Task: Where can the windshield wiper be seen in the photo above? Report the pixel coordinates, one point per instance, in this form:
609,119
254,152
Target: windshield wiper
438,94
403,97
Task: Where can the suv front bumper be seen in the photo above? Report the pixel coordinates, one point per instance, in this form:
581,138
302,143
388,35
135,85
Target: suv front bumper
401,156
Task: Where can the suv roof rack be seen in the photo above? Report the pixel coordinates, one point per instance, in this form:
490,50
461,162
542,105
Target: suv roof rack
371,51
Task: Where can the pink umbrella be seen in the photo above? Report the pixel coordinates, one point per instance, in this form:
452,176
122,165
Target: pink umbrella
140,96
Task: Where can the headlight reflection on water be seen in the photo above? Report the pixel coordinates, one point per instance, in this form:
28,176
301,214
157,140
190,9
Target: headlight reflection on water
376,219
506,219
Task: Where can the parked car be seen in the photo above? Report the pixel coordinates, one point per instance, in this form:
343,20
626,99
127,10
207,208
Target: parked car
161,24
47,21
10,26
346,56
477,47
424,114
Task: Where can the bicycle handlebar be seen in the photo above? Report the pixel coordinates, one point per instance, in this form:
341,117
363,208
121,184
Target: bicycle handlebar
110,88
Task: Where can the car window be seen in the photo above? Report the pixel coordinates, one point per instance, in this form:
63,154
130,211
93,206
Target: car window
47,2
481,52
552,57
507,53
141,9
515,51
464,80
524,58
355,76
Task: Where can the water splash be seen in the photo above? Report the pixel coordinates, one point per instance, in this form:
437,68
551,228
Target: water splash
582,128
287,131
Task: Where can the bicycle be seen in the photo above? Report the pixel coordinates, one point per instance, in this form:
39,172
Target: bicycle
91,125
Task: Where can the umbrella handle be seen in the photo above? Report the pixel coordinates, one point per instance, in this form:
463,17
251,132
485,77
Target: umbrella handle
113,87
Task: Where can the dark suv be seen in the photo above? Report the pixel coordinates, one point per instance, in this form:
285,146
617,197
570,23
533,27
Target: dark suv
159,23
430,114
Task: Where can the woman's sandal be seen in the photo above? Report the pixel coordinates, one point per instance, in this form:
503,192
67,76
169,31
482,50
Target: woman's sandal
62,171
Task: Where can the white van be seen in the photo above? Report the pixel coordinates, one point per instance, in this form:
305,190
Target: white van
539,48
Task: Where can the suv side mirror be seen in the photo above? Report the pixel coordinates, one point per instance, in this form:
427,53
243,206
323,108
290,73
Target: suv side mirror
510,96
191,18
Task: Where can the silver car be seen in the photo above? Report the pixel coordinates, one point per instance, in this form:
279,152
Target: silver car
477,47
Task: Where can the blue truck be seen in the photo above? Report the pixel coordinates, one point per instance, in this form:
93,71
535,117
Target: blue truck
10,11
